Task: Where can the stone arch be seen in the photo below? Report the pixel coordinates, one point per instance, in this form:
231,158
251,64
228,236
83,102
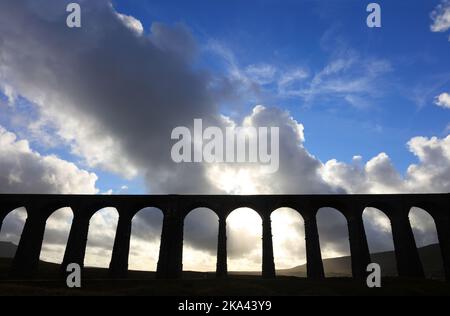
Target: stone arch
4,213
244,206
425,235
192,207
378,230
244,231
334,242
335,207
57,229
145,239
101,234
288,231
201,227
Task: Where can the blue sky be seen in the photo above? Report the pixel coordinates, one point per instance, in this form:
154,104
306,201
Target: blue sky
309,34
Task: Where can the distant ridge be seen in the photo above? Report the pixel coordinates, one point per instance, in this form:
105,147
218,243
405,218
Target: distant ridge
334,267
341,267
7,249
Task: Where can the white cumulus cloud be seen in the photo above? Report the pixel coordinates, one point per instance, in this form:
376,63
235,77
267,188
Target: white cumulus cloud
441,17
26,171
443,100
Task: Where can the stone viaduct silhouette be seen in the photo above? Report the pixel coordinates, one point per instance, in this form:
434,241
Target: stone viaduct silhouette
176,207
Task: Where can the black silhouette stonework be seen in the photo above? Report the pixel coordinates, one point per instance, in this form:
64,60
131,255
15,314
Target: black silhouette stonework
176,207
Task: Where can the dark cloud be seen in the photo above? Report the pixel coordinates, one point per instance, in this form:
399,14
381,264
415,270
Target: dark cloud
147,224
127,92
333,231
201,230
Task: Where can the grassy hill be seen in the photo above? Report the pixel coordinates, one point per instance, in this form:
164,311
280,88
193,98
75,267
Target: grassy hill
341,267
7,249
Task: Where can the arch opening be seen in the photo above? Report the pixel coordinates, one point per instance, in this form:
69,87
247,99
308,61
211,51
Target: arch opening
57,229
244,242
201,229
334,242
145,239
102,231
379,238
289,247
426,238
10,235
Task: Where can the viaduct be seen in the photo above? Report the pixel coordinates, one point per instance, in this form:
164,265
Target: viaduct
176,207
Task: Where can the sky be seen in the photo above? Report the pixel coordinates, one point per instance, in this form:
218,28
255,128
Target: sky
91,110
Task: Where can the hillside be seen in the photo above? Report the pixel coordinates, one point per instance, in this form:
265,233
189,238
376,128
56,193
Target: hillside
341,267
7,249
289,282
334,267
